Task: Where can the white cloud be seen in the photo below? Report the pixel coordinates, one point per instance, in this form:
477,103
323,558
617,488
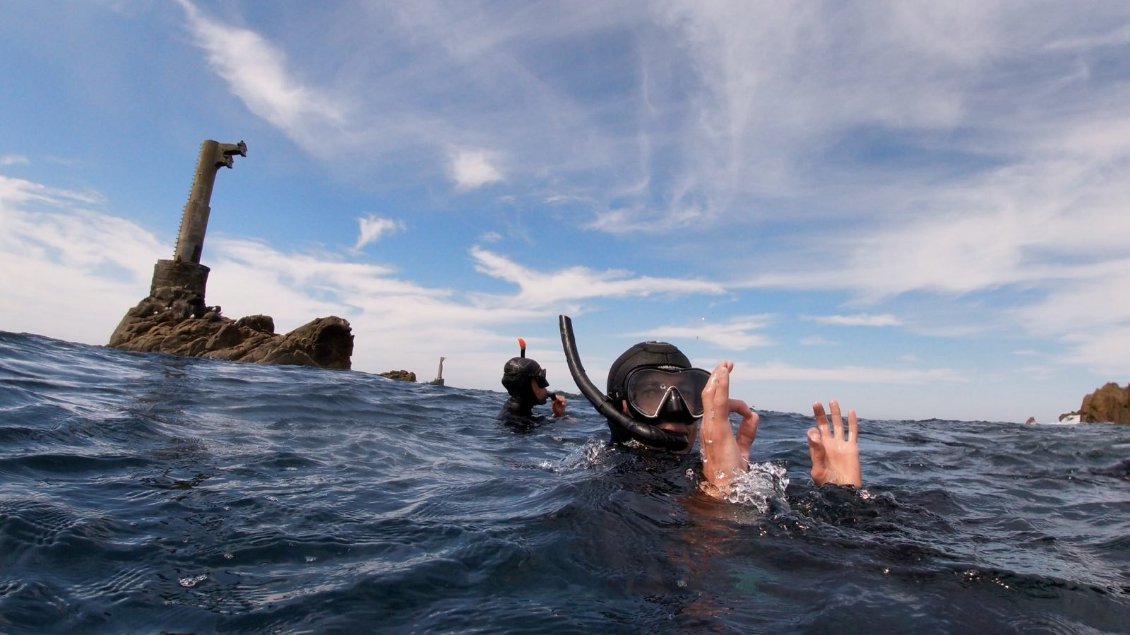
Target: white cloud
538,289
734,334
644,220
67,271
13,159
257,73
471,169
861,319
372,227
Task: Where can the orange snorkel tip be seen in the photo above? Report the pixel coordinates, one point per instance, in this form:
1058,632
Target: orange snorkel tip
522,346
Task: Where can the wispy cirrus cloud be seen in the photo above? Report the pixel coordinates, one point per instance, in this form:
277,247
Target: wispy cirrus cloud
739,333
258,73
860,319
576,283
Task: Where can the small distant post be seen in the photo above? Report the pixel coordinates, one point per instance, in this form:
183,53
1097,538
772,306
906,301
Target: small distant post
185,270
438,381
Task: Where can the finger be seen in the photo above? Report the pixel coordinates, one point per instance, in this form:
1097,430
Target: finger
837,420
853,426
818,456
747,431
739,407
821,418
717,390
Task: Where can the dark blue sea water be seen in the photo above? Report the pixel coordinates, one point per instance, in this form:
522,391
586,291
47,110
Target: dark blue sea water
143,493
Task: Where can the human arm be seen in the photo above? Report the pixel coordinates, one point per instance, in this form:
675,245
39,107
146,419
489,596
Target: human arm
834,450
724,454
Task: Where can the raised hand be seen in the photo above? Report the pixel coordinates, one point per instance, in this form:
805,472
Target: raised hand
724,456
833,449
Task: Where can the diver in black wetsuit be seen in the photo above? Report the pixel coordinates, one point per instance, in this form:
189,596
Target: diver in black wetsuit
656,398
524,380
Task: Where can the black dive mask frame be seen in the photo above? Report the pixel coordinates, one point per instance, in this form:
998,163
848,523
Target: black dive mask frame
638,430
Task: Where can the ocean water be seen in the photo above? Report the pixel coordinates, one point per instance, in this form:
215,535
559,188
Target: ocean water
143,493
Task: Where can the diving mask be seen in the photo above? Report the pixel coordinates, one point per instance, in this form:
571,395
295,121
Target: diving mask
653,391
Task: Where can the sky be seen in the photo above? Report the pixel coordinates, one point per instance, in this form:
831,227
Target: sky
916,208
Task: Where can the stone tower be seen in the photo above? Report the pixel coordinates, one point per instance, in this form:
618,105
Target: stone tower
185,270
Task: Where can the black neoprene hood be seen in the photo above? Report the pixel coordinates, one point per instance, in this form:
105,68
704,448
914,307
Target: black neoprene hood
517,373
644,354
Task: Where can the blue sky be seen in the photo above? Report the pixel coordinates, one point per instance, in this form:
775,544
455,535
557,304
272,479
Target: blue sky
917,208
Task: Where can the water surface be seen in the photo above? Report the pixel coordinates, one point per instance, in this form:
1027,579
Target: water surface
148,493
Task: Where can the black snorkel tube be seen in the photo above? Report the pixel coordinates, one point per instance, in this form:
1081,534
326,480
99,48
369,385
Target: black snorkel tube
642,432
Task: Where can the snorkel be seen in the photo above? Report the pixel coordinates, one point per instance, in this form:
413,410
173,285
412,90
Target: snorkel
642,432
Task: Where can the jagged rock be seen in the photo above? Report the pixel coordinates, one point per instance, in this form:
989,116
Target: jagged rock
400,375
262,323
175,321
1109,404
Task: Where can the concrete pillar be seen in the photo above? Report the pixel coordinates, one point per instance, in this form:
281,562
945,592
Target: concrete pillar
194,221
177,274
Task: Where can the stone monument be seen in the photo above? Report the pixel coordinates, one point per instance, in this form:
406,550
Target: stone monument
174,318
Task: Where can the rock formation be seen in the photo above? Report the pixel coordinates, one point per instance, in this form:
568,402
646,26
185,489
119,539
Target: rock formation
175,321
174,318
1109,404
400,375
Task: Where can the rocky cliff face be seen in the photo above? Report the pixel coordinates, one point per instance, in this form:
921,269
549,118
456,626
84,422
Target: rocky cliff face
1110,404
176,321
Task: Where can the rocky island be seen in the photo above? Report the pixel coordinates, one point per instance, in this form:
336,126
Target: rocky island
1108,404
175,319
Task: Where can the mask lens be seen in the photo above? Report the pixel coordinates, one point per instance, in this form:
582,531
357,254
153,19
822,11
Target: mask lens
650,388
540,379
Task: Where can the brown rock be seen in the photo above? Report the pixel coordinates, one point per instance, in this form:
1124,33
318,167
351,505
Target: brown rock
174,320
263,323
1111,403
400,375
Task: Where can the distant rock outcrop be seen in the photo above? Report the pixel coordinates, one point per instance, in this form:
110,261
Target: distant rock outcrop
400,375
175,321
1109,404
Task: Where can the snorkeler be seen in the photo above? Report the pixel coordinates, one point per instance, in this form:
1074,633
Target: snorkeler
655,397
524,380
